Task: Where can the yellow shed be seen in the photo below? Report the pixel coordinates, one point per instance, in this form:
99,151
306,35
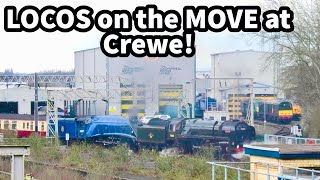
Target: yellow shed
281,159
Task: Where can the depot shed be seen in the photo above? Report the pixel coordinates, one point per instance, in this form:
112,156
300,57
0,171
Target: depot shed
283,159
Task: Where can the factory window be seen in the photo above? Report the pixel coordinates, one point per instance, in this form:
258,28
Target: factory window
126,93
31,126
42,126
126,102
14,125
23,125
6,125
27,125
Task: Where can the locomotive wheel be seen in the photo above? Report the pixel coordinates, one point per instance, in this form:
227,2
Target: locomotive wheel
187,147
217,153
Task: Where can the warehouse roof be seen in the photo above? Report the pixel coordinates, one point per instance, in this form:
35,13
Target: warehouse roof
284,151
255,85
20,117
238,51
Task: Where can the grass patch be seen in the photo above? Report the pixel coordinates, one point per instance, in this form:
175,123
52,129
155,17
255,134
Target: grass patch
117,161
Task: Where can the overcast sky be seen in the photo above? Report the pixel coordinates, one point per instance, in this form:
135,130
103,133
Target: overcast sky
38,51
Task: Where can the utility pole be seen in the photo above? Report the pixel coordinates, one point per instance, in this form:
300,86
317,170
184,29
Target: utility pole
238,74
36,95
206,76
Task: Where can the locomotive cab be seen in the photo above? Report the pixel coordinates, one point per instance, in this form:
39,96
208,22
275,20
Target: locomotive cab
237,131
155,133
176,127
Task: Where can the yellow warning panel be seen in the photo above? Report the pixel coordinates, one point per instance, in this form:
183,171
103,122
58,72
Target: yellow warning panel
112,109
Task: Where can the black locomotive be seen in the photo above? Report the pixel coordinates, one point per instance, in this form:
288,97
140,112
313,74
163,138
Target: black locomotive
187,134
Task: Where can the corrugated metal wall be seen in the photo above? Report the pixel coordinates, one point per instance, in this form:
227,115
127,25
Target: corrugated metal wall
143,71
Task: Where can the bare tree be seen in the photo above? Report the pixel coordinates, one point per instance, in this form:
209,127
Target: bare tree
298,55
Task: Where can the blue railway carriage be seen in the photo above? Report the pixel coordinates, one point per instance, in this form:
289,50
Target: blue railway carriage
105,130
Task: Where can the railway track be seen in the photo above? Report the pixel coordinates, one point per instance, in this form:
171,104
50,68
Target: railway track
284,131
279,129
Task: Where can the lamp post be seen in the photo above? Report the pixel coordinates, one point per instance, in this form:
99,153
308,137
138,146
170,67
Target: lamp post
206,76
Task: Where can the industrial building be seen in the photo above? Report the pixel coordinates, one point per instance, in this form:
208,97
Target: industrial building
147,86
201,82
234,66
242,64
138,85
20,100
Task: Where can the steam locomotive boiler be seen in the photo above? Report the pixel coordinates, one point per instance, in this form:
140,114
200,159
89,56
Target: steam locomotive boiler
188,134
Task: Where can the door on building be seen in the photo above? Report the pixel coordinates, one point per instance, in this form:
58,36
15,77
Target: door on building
169,96
40,103
9,107
132,100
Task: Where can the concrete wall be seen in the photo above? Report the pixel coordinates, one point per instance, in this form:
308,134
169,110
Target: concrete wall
202,85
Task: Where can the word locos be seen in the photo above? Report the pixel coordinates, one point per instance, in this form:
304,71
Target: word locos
64,19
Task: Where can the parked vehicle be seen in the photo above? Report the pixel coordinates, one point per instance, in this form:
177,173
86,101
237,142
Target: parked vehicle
145,119
162,116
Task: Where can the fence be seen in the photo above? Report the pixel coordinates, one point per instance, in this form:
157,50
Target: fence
5,175
276,139
241,170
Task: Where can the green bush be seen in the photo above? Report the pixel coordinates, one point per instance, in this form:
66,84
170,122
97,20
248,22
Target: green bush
184,167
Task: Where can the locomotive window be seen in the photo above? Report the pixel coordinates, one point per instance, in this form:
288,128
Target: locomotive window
31,126
0,124
42,126
178,126
6,125
23,125
27,125
285,106
14,125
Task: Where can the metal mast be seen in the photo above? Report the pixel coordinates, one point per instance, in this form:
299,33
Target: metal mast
36,95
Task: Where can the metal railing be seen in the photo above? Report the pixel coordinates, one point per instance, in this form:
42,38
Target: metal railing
276,139
5,173
223,170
